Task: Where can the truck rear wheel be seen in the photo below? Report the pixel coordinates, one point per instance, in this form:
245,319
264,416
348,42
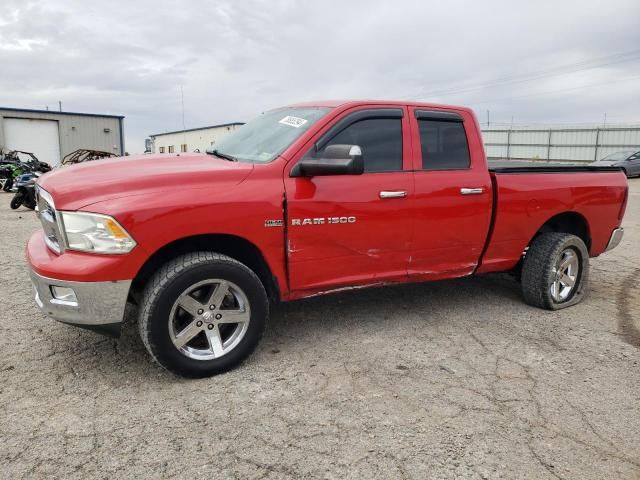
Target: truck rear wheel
202,314
555,271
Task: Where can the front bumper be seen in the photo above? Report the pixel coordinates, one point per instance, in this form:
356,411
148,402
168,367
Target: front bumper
616,238
97,305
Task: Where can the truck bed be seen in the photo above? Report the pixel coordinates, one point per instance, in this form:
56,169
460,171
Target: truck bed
526,197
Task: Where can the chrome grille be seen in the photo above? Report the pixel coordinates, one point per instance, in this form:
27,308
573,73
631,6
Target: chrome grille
49,219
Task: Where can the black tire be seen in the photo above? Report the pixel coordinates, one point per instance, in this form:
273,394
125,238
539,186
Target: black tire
16,201
163,290
29,204
538,270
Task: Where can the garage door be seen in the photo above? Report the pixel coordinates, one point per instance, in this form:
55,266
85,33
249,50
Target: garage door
39,137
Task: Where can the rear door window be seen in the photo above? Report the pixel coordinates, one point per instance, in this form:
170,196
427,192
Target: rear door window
444,145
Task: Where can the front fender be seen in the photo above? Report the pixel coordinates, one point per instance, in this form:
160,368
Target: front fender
155,220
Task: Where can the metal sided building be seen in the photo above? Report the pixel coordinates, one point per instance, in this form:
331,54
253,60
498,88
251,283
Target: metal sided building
190,140
559,143
51,135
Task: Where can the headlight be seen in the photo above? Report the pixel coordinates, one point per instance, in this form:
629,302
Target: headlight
91,232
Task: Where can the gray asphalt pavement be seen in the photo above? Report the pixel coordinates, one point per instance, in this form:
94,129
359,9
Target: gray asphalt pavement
456,379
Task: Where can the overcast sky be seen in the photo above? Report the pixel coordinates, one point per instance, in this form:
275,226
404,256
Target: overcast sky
537,61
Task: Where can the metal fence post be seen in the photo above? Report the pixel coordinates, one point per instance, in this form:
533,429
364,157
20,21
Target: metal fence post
595,154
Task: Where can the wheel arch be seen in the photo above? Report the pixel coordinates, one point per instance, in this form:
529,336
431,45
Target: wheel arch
567,222
233,246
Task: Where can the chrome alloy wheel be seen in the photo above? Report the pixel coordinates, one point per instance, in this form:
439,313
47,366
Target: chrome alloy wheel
209,319
565,275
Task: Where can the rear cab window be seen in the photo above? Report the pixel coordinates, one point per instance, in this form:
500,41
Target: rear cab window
443,141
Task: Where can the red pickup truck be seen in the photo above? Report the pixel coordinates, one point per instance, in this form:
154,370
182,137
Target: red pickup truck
302,201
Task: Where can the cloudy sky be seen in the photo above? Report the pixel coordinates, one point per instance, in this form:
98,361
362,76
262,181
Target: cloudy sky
533,62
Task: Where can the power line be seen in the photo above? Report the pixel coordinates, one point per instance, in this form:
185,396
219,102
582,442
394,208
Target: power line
560,70
551,92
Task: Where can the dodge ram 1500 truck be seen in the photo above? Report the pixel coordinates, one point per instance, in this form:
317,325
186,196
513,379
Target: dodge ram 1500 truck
302,201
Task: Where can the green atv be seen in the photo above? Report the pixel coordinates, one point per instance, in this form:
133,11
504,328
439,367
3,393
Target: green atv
12,166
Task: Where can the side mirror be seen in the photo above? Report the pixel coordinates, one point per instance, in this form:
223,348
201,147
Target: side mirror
335,160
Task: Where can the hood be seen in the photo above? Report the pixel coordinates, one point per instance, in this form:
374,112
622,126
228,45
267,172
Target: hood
79,185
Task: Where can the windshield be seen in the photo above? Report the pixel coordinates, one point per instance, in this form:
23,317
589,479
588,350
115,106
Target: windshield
616,157
265,137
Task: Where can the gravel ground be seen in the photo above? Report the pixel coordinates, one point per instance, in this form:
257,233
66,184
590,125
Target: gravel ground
445,380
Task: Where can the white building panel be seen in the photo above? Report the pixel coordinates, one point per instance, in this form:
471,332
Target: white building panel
528,152
495,136
33,131
620,137
191,140
529,137
40,137
571,144
496,151
574,137
573,153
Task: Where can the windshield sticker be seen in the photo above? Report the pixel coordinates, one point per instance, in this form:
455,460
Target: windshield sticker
293,121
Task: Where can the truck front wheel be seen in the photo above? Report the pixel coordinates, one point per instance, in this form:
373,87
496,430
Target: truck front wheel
202,314
555,271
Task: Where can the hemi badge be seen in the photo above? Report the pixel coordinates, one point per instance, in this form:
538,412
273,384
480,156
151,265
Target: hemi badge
273,223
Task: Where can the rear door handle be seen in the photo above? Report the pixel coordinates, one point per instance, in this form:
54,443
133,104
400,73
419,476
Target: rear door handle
471,191
393,194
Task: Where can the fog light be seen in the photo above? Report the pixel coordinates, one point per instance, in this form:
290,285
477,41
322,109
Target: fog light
64,294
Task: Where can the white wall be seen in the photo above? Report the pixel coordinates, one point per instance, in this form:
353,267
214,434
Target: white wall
40,137
577,144
201,139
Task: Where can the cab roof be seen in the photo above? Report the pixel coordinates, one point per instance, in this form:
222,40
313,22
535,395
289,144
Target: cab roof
353,103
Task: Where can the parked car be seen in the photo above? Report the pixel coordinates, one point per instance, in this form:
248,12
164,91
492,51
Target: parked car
303,201
627,160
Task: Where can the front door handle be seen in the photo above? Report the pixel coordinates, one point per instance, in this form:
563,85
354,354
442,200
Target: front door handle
393,194
471,191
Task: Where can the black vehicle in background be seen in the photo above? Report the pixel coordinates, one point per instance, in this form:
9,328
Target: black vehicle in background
26,191
628,160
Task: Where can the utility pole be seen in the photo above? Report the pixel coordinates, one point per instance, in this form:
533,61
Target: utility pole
184,128
604,124
60,105
488,118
